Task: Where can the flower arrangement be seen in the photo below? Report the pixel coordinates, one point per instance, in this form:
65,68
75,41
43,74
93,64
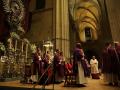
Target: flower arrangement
26,40
33,48
2,46
14,35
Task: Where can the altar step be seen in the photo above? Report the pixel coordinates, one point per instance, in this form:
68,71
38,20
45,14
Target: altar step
20,88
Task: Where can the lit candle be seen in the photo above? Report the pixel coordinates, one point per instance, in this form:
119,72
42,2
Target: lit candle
22,46
10,43
16,45
26,50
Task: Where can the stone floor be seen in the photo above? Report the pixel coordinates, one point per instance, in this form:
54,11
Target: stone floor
92,85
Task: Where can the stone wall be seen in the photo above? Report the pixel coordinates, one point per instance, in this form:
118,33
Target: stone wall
113,10
41,26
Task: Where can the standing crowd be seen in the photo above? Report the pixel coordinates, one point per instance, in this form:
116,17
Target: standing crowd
42,67
111,63
79,66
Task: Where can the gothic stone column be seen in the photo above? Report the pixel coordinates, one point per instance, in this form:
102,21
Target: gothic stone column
62,27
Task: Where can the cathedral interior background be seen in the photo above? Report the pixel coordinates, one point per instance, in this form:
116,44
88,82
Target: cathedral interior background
25,24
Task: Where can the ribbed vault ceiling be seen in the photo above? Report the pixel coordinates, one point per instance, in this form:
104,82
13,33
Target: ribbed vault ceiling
86,13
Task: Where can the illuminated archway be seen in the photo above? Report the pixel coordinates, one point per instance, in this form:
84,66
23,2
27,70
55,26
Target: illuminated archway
87,13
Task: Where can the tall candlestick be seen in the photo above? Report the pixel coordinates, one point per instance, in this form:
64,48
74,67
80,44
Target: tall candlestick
10,43
26,50
15,44
22,46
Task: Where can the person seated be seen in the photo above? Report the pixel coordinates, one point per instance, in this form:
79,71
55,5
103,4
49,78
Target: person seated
68,68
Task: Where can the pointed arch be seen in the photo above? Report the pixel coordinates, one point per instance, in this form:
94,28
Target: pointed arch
89,11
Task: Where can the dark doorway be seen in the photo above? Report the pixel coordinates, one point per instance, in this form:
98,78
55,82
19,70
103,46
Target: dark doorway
88,33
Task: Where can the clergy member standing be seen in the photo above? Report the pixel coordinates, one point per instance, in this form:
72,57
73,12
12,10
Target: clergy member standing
78,67
94,68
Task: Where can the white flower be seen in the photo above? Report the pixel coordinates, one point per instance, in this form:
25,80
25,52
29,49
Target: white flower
2,47
33,48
